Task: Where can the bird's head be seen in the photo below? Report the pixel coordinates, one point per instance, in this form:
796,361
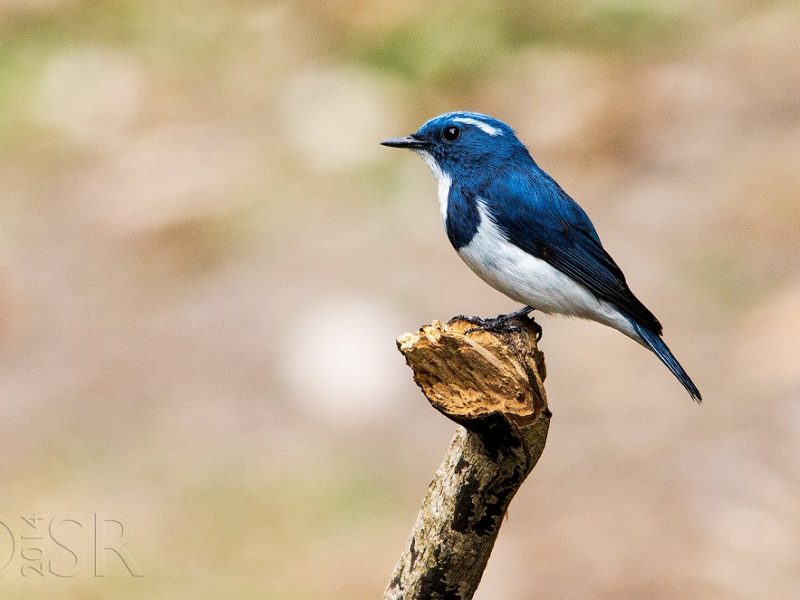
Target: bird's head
464,144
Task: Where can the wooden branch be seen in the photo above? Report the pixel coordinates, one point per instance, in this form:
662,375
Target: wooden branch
491,384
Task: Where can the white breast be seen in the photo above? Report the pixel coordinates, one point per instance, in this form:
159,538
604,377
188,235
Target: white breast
442,178
532,281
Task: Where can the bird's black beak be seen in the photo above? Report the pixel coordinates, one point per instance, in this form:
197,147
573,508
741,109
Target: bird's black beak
412,141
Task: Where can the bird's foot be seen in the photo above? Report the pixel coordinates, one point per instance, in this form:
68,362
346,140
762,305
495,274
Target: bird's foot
501,323
498,324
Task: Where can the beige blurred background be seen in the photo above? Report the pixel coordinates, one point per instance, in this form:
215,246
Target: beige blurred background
205,258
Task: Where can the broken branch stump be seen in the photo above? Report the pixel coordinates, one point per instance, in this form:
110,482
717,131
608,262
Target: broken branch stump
490,383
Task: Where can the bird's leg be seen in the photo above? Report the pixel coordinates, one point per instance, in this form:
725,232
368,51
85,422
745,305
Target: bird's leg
501,322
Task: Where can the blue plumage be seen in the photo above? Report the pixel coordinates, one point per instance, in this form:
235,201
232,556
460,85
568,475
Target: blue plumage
659,348
521,233
462,217
539,217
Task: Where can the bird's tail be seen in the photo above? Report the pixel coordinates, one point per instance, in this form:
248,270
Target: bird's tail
659,348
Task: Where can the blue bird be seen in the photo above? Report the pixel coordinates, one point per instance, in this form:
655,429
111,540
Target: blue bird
523,235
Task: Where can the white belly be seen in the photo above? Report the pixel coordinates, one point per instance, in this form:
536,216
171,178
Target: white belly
532,281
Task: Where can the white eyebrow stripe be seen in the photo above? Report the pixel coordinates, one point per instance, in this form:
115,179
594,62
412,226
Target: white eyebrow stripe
485,127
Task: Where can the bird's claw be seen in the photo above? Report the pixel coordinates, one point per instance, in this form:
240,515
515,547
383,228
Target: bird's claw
501,323
537,330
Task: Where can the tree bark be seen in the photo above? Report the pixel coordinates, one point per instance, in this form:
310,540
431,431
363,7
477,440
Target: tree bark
491,384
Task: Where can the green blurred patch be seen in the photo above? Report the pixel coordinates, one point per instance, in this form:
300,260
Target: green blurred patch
163,34
453,44
29,38
731,280
420,50
341,495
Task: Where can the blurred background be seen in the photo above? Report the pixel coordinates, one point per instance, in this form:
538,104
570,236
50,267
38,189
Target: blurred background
205,258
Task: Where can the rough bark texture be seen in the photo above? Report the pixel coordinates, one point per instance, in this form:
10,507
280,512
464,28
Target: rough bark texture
491,384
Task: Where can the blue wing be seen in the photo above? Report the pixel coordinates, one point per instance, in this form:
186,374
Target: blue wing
540,218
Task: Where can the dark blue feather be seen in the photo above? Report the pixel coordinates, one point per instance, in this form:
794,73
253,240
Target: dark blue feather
462,217
660,349
539,217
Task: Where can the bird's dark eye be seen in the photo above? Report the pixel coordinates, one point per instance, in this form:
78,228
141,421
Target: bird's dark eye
450,134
